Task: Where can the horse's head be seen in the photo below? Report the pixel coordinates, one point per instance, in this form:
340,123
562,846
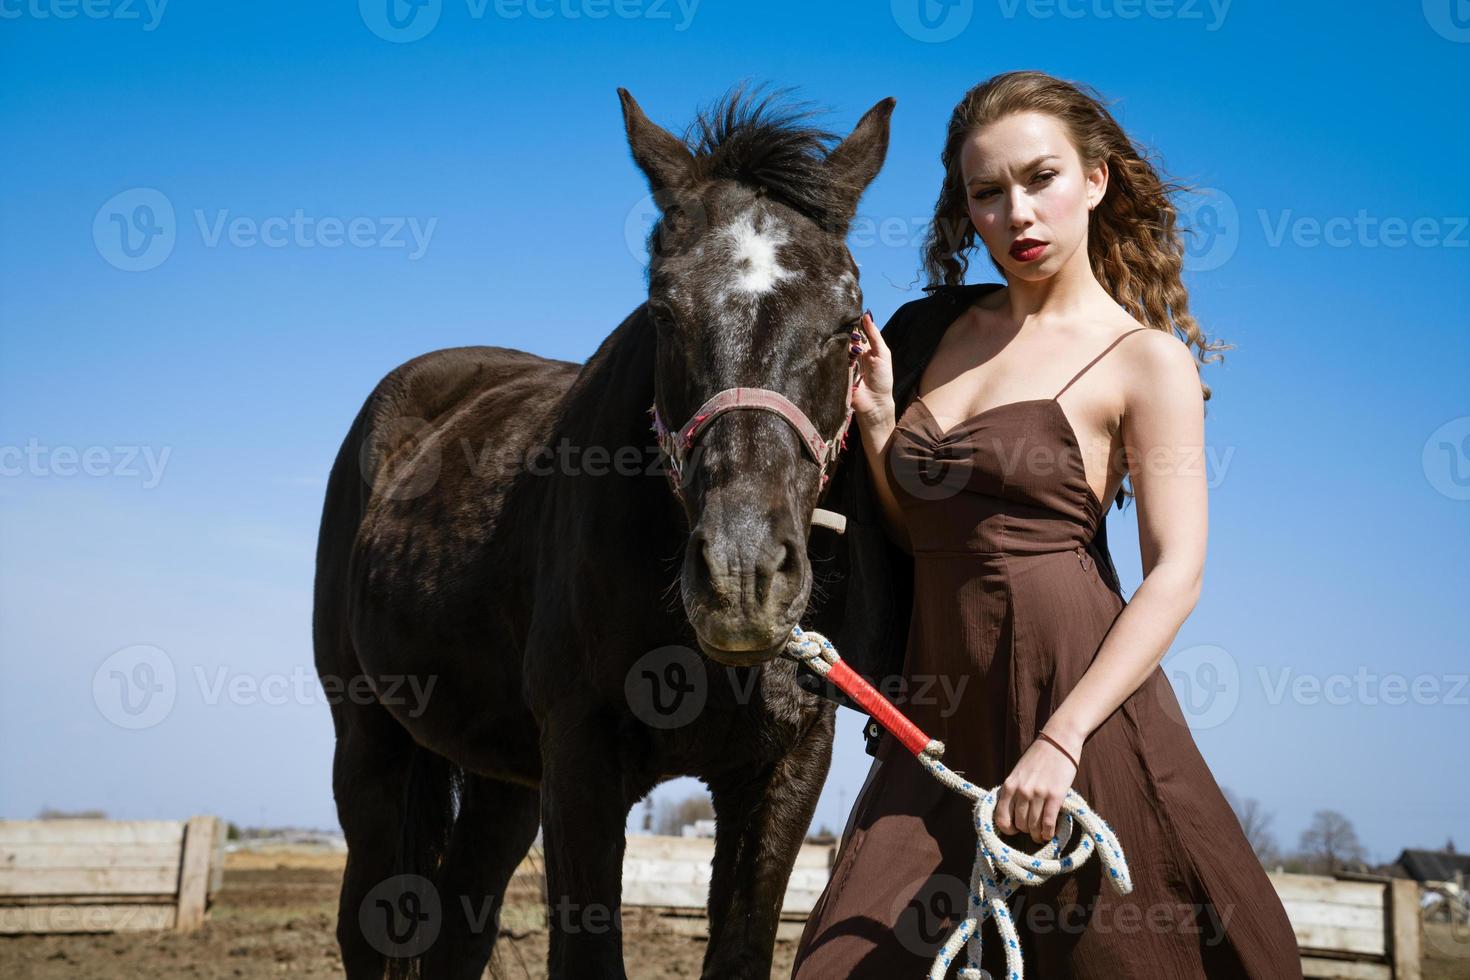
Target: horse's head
752,294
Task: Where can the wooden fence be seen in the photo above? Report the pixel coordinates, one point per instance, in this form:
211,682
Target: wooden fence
108,875
1348,928
1357,927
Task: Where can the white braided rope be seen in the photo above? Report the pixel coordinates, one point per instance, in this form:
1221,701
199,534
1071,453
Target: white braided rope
998,869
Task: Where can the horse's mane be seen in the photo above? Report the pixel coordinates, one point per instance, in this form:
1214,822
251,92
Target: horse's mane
768,144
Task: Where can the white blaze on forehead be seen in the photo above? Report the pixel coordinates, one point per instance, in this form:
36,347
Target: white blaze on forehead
755,266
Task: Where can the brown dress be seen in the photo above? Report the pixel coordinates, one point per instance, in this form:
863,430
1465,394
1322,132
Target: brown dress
1009,610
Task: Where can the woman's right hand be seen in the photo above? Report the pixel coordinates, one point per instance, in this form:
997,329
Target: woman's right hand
873,397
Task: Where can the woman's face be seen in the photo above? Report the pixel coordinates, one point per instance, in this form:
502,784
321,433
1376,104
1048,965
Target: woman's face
1024,183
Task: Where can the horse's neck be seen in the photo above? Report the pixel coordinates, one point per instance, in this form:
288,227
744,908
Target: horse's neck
607,404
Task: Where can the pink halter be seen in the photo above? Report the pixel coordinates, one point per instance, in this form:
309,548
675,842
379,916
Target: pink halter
677,444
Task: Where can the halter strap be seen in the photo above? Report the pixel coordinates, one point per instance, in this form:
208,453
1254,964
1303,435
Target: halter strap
1099,357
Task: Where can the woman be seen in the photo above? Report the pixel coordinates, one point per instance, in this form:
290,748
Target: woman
1040,395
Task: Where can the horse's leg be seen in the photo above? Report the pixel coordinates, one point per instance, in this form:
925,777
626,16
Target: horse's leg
584,811
370,775
497,823
761,815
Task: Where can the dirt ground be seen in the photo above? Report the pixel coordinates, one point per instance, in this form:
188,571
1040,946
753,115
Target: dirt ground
275,918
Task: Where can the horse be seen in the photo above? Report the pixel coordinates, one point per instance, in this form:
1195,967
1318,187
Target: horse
528,613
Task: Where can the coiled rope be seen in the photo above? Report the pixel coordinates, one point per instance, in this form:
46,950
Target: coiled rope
998,869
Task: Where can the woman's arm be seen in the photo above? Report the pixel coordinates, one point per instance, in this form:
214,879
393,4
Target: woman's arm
875,413
1163,436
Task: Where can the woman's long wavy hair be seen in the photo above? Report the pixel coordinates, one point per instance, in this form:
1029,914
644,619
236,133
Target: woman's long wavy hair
1133,238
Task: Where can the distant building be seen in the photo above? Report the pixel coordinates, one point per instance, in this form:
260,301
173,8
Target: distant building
699,828
1444,876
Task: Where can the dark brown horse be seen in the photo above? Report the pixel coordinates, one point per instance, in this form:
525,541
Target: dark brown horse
495,606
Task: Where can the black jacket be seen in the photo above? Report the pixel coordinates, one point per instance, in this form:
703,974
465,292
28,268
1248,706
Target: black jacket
869,579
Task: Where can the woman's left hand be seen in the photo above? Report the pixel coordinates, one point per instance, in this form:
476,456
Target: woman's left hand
1031,797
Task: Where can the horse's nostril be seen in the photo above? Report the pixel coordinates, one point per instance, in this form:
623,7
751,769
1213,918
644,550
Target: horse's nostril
790,561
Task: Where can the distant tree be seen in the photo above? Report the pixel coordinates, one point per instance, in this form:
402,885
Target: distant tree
232,831
672,817
822,835
1329,844
1256,823
51,813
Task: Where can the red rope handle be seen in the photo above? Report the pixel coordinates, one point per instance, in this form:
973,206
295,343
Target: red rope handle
852,684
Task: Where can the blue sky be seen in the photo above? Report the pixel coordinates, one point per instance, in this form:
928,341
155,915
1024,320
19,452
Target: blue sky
345,196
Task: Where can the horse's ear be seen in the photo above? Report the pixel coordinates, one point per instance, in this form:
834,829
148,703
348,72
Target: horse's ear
662,156
855,161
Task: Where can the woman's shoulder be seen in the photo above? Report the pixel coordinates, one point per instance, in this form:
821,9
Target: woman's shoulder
939,304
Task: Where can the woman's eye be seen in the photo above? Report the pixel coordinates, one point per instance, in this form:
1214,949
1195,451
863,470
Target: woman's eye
1047,175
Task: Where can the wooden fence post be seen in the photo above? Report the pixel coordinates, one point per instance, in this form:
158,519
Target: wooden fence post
202,838
1404,927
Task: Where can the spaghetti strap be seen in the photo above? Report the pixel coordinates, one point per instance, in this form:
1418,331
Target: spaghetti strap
1099,357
